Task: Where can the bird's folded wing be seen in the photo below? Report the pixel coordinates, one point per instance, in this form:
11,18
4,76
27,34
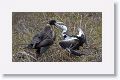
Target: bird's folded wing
46,42
38,37
67,44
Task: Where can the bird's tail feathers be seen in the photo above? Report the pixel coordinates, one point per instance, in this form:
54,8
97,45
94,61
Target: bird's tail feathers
77,53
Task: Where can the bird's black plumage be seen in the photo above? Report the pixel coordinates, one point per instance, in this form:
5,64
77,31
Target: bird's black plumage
42,40
73,45
52,22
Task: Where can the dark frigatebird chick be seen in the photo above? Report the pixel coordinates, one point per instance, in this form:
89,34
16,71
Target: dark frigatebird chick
70,42
43,40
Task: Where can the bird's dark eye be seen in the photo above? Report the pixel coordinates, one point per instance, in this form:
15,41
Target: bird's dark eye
64,36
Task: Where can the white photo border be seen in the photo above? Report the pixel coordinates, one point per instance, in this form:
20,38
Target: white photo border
104,67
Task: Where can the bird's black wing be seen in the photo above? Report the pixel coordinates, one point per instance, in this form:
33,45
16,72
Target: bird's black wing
73,44
36,40
74,52
44,43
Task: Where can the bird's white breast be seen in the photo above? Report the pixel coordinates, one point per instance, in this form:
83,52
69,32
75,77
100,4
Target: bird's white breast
69,38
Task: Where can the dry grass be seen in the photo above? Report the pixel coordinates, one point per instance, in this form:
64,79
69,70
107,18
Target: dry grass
26,25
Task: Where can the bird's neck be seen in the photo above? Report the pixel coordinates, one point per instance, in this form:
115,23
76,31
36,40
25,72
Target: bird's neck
65,35
64,32
53,28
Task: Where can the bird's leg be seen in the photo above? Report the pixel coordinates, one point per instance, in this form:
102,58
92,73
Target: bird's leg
68,49
38,54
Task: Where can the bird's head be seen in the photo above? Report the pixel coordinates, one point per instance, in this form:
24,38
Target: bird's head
58,24
52,22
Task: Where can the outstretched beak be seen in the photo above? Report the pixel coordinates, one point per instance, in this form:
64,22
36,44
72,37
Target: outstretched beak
61,23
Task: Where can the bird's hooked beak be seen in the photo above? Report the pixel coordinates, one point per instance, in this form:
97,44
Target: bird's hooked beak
61,25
